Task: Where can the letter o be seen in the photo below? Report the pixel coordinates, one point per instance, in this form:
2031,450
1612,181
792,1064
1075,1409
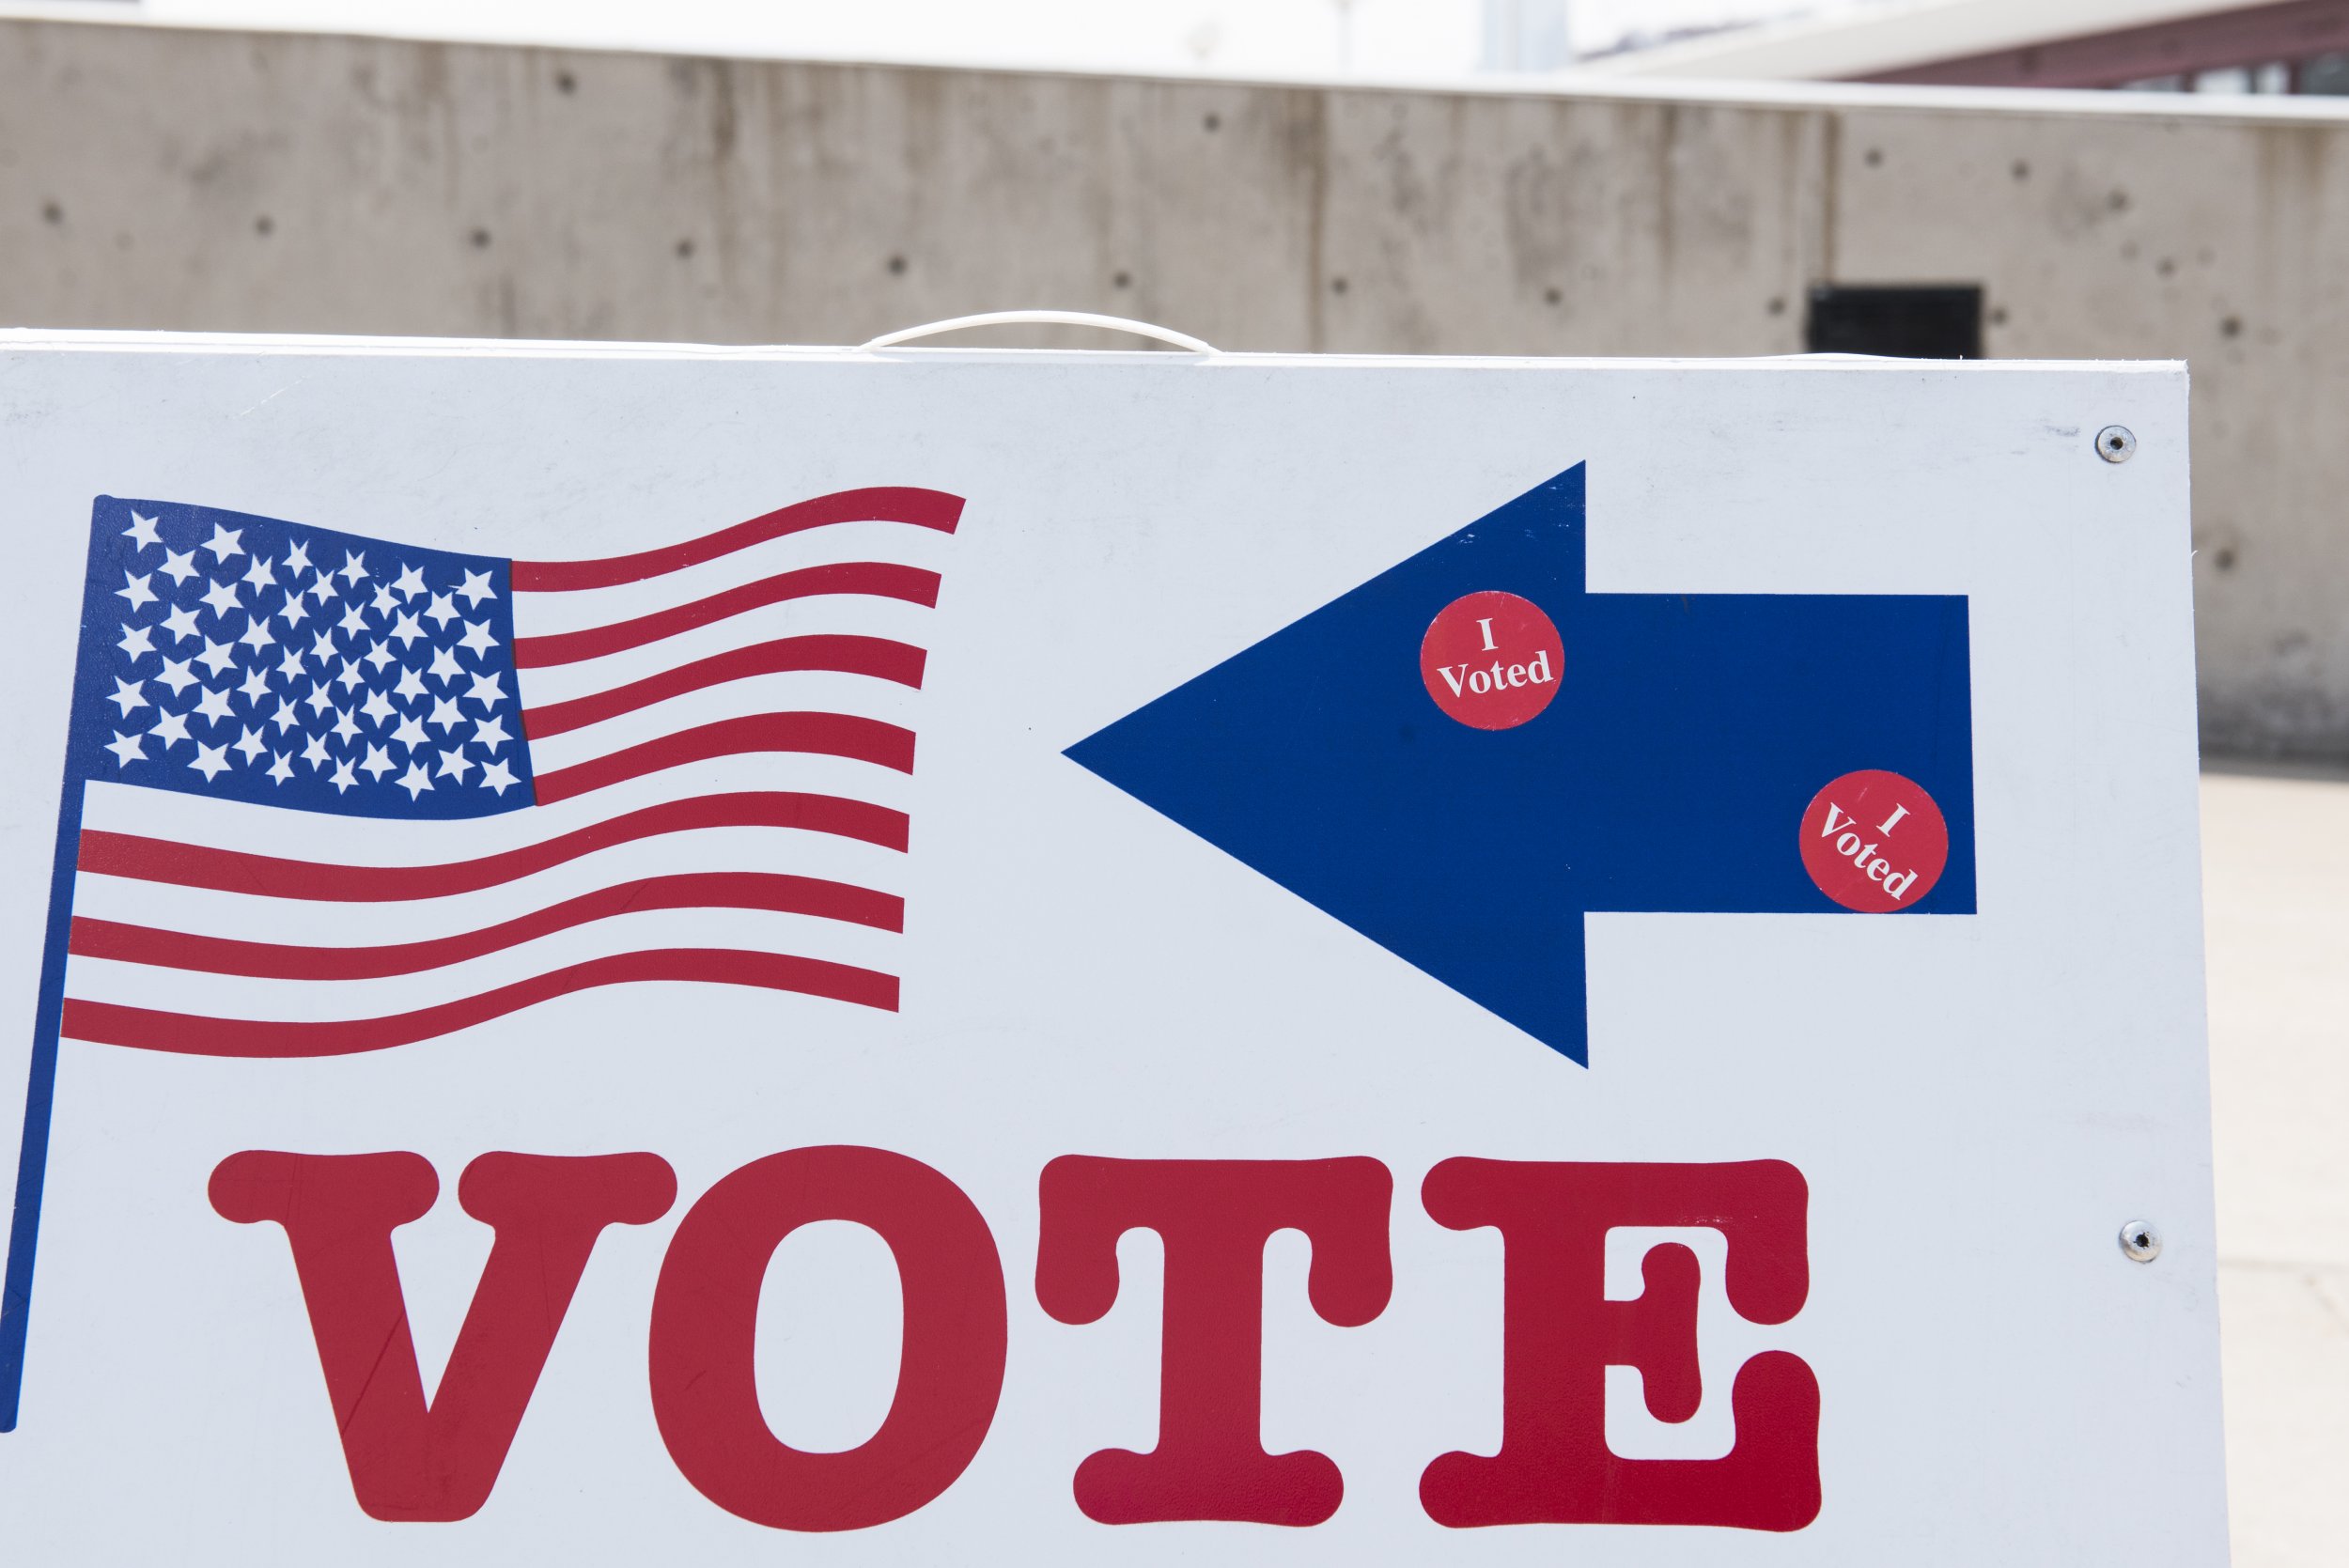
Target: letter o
1480,682
704,1321
1848,845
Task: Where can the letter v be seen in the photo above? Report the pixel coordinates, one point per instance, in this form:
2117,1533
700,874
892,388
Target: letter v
409,1461
1832,826
1452,679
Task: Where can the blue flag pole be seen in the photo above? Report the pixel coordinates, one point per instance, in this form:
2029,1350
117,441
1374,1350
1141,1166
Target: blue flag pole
40,1088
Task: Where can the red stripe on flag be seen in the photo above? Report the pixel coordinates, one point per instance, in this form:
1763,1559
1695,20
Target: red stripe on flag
192,865
839,734
881,504
875,579
718,889
108,1023
878,657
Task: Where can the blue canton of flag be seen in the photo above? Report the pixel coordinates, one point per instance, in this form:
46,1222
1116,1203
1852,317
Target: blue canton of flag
253,660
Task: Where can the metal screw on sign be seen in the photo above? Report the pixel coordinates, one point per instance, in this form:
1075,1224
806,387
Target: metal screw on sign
2116,444
2140,1241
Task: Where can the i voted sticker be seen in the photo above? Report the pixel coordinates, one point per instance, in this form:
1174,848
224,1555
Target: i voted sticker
1875,842
1491,659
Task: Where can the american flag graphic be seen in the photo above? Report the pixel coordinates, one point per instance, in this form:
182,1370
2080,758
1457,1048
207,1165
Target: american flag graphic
329,794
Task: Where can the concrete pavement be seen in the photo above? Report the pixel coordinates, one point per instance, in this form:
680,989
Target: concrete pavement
2276,901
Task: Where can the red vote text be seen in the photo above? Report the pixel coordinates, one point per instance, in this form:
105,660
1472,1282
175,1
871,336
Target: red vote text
414,1460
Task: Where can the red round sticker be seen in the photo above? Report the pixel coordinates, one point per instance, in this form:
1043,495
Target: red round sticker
1875,842
1491,659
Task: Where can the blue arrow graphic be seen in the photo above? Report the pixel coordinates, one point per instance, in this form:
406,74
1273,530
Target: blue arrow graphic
1670,773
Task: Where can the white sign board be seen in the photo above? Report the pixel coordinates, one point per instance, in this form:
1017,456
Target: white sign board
949,956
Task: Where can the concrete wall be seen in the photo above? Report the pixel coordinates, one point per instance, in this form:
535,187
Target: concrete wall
239,181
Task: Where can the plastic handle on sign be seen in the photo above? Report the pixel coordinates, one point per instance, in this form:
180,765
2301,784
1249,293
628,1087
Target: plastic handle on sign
1047,318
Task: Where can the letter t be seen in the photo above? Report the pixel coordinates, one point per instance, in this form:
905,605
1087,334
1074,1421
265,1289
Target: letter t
1214,1216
